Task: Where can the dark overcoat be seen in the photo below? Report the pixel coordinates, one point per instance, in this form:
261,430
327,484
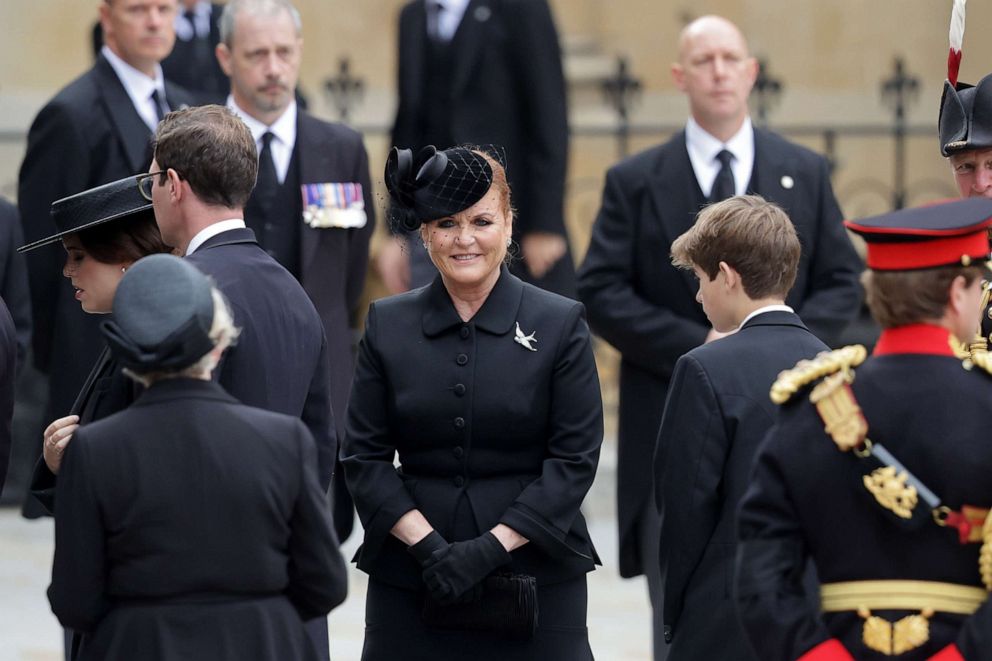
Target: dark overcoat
279,362
8,367
646,308
506,88
807,499
14,277
193,64
486,430
193,527
87,135
717,413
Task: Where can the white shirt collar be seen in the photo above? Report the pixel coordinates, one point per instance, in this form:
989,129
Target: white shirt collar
703,148
138,86
284,130
762,310
213,230
201,14
451,17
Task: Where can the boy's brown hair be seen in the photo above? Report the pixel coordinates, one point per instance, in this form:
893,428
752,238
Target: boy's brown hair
753,236
899,298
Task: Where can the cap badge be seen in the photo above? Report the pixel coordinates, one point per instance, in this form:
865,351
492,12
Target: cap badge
524,340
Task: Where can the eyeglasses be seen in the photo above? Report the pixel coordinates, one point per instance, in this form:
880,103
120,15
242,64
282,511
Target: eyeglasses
146,182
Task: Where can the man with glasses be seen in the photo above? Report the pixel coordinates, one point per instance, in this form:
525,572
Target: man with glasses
95,130
201,177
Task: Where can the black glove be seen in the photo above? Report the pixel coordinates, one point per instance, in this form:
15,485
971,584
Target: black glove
464,566
429,550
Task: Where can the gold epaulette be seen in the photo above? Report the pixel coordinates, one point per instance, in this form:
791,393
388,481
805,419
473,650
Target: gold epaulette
985,554
805,372
982,360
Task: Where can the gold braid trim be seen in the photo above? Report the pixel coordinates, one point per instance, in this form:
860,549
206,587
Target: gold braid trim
985,555
790,381
980,359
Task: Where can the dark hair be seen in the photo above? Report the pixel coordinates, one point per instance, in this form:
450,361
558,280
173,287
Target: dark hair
124,240
753,236
898,298
212,149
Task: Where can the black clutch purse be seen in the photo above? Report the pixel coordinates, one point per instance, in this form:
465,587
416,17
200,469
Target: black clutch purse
508,606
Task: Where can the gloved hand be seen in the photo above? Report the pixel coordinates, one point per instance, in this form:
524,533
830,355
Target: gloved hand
463,567
429,550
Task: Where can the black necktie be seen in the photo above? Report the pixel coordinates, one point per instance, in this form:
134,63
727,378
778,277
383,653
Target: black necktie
267,182
724,186
190,16
158,102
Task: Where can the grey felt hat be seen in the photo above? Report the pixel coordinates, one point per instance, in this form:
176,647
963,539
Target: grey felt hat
113,201
162,314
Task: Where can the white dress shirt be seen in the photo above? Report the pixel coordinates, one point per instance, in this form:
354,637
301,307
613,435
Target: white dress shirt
767,308
213,230
703,149
283,131
449,17
138,86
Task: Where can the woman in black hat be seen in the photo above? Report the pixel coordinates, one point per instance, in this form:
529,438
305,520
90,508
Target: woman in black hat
487,389
189,526
104,230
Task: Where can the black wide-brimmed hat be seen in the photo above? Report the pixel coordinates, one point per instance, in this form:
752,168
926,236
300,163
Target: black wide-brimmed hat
116,200
162,313
435,184
966,116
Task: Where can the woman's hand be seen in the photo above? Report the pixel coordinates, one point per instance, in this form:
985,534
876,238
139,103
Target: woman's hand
464,566
56,437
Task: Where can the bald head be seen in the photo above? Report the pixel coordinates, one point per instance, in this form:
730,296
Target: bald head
716,71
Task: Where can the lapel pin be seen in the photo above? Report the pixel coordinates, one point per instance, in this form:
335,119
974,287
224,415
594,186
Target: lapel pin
482,14
787,182
524,340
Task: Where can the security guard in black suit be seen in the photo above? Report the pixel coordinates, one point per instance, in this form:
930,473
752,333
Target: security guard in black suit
883,479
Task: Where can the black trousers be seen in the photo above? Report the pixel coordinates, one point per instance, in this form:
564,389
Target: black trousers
393,629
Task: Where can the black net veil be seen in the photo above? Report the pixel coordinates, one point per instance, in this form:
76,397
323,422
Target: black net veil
437,183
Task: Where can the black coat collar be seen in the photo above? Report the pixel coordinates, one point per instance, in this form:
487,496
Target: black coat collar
238,235
775,318
183,388
496,315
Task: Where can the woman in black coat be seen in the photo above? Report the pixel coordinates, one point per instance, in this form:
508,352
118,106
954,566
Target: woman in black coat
189,526
486,388
104,230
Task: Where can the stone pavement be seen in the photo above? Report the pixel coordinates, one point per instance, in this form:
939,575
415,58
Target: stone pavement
619,618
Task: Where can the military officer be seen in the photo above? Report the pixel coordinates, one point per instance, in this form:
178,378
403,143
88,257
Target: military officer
883,480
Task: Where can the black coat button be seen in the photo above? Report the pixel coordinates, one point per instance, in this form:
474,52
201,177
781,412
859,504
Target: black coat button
465,332
459,481
669,634
458,451
459,423
459,389
461,359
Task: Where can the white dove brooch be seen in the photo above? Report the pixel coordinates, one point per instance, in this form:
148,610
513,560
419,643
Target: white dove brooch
524,340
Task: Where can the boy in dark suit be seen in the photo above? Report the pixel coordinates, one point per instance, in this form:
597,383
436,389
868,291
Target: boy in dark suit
744,251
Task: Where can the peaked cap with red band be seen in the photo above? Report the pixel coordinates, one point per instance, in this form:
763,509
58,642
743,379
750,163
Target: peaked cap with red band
947,234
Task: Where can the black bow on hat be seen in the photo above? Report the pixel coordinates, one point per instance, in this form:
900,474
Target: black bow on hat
434,184
162,314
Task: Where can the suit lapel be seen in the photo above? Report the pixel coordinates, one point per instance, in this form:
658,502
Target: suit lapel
675,194
774,176
469,40
132,131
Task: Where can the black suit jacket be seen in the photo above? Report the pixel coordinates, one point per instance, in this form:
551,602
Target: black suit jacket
717,413
192,526
8,367
507,89
279,362
646,308
486,431
807,500
194,65
14,277
87,135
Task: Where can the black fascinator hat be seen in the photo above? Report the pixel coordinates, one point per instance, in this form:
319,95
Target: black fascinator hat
435,184
162,315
